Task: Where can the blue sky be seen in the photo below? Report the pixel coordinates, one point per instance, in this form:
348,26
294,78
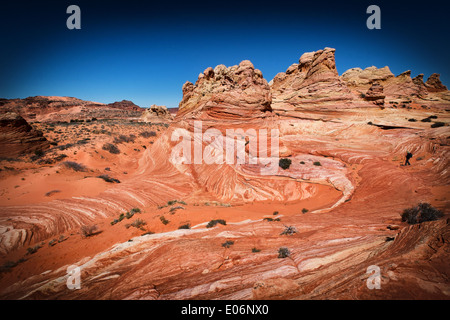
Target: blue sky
144,51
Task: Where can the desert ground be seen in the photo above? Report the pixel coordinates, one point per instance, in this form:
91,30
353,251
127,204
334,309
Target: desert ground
95,186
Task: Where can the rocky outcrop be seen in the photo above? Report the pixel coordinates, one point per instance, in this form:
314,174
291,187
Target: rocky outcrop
375,94
358,77
226,92
17,137
434,83
313,80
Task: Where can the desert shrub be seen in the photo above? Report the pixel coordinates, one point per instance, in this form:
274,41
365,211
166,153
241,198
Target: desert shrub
88,231
255,250
227,244
172,202
304,210
271,219
438,124
185,226
412,120
50,193
283,252
139,224
8,265
213,223
38,153
317,163
426,120
420,213
34,249
302,162
289,231
136,210
173,209
111,148
285,163
108,178
148,134
275,213
164,220
75,166
123,138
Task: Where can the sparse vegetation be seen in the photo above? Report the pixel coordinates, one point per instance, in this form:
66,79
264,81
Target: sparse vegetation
89,231
438,124
285,163
421,213
34,249
289,231
317,163
123,138
271,219
50,193
111,148
227,244
75,166
255,250
138,224
304,210
213,223
108,178
185,226
147,134
164,220
8,265
283,252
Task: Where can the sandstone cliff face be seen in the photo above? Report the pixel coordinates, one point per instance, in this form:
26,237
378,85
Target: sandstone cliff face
237,91
17,137
314,80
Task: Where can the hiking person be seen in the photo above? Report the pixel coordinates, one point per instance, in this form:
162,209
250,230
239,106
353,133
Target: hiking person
408,156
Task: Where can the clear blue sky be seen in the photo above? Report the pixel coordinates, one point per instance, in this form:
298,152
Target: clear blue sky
144,51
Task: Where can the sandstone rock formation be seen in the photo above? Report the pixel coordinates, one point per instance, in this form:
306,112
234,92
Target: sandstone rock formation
313,80
237,91
346,166
156,114
434,84
17,137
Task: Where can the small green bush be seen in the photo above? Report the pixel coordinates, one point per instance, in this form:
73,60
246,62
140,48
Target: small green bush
164,220
285,163
421,213
317,163
227,244
438,124
213,223
283,252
